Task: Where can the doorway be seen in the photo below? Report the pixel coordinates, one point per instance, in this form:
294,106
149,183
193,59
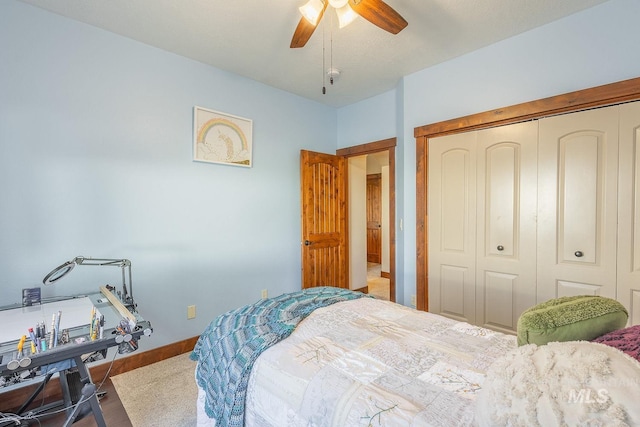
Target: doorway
377,277
377,224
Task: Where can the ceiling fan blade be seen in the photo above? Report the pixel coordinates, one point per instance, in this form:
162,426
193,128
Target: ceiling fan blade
305,29
379,13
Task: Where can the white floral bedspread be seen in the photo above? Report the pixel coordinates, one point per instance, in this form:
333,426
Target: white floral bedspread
369,362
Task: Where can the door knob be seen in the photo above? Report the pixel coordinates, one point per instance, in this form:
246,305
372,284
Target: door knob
307,243
500,248
578,254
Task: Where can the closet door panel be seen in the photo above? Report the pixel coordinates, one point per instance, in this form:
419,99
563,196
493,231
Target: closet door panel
506,216
629,211
580,188
634,315
500,296
501,167
454,201
577,204
452,226
567,289
453,281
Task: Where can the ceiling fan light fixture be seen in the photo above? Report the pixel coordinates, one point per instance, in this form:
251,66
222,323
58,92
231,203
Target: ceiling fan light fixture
311,11
337,4
346,15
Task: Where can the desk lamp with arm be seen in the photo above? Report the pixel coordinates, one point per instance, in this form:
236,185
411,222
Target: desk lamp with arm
126,295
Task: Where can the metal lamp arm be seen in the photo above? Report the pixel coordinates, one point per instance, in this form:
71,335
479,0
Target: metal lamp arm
63,269
122,263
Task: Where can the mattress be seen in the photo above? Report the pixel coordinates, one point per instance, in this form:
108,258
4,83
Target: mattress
371,362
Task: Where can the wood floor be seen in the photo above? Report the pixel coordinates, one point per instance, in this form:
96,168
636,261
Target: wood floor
112,411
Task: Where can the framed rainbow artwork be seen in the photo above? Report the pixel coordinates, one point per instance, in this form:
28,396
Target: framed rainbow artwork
221,138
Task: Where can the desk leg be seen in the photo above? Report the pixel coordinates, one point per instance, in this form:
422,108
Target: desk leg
66,394
89,389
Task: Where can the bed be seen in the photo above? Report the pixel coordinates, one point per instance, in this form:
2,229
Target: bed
340,358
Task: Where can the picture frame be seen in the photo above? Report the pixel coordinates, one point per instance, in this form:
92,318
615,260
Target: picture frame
222,138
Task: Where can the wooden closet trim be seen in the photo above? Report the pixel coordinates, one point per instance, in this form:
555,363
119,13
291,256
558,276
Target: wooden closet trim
600,96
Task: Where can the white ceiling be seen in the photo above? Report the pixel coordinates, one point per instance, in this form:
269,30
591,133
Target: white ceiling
251,37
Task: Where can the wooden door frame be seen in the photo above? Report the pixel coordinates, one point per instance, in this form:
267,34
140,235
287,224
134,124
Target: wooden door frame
600,96
376,147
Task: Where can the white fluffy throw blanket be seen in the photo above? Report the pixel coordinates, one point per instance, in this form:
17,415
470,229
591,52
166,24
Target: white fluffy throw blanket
576,383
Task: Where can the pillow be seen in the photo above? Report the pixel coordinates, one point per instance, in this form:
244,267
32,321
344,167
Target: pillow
626,340
574,318
575,383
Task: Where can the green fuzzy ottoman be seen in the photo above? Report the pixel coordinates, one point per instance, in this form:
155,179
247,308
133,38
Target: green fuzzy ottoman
576,318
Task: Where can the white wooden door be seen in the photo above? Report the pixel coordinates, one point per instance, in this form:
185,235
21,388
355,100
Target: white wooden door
506,230
577,204
452,226
629,211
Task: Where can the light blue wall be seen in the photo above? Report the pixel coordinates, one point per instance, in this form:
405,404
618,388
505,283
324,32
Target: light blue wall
96,160
591,48
368,121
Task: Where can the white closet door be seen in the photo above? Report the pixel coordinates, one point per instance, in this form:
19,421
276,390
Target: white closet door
629,211
506,230
452,226
577,204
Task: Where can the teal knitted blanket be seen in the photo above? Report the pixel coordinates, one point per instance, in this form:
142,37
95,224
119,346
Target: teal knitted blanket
232,342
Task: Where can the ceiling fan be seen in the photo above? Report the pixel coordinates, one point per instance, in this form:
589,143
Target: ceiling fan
375,11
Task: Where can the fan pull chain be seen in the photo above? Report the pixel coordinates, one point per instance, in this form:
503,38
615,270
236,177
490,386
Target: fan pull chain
324,88
331,50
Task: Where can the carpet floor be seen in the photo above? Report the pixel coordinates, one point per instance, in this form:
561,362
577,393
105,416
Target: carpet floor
378,285
160,394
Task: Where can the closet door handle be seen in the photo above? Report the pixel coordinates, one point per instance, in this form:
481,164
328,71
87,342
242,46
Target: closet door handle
578,254
500,248
307,243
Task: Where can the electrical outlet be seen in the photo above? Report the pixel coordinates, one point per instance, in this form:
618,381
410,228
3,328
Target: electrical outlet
265,294
191,312
413,300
